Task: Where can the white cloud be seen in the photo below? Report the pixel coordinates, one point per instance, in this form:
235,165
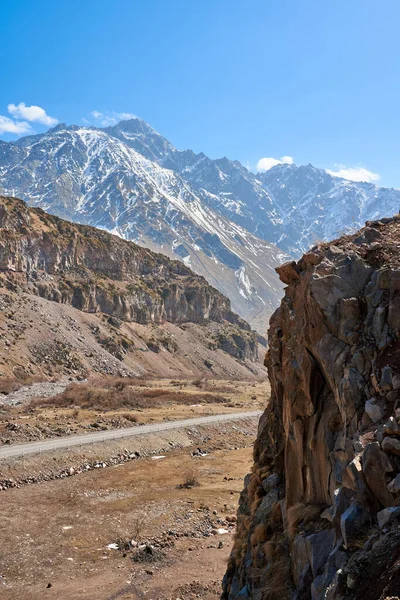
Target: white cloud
111,118
265,164
9,126
354,173
31,113
105,120
126,116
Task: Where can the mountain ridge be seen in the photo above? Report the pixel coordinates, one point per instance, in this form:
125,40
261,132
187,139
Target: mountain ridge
88,176
230,225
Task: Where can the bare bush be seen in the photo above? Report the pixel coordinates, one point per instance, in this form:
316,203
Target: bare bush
199,383
190,480
137,528
130,417
121,394
148,554
13,384
9,385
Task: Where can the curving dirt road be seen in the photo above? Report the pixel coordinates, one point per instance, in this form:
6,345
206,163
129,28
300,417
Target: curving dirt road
113,434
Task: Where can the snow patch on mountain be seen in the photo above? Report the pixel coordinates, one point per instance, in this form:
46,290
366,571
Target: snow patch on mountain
232,226
90,176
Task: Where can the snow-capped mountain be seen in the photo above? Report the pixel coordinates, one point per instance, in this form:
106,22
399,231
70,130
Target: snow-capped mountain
230,225
223,185
315,206
91,176
292,207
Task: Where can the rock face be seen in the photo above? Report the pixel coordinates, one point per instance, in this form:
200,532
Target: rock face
94,271
325,527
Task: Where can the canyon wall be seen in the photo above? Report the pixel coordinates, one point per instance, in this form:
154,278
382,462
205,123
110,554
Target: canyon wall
318,518
95,271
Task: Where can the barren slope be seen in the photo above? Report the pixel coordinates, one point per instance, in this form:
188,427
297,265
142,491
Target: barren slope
75,300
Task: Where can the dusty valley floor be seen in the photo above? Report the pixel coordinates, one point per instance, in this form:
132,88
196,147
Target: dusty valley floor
147,528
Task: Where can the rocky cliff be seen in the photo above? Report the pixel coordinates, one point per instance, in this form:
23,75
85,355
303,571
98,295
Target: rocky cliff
319,515
96,272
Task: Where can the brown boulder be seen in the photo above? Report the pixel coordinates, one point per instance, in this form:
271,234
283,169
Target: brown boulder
376,465
391,445
288,272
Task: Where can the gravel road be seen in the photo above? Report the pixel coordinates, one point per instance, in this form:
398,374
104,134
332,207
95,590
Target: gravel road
113,434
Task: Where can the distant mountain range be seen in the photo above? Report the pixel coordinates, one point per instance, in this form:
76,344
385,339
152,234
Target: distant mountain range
225,222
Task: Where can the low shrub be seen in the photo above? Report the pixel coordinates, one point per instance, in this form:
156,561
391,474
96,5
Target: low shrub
119,394
190,480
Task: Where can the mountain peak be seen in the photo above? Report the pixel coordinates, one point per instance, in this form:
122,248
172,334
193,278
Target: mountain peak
134,124
58,127
140,136
228,224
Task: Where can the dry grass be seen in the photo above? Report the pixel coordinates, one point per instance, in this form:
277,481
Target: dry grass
259,535
267,542
301,515
119,394
190,480
239,544
274,519
121,402
276,584
211,386
269,550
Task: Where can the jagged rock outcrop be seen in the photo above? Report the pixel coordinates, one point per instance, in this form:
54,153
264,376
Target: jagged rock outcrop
95,271
319,515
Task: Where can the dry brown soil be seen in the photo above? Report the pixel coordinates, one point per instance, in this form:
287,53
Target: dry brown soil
54,535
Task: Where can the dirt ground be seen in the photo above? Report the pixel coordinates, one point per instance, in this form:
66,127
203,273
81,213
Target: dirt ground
168,400
55,535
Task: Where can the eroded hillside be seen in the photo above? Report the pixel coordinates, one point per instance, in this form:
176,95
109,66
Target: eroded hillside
75,299
318,517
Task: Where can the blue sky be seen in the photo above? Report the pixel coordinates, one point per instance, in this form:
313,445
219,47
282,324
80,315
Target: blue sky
315,81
